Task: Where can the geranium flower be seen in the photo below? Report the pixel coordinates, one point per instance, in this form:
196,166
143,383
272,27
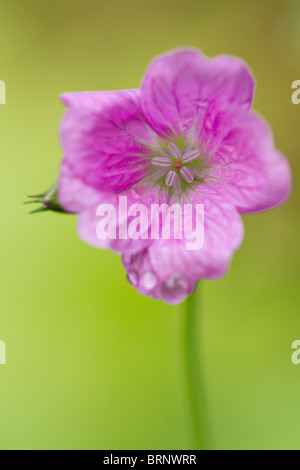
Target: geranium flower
186,135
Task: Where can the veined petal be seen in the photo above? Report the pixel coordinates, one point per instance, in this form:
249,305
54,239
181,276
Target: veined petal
249,171
104,138
179,86
175,269
77,197
88,221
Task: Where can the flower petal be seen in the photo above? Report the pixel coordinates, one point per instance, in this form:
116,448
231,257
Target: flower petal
77,197
103,136
74,194
179,86
249,171
175,269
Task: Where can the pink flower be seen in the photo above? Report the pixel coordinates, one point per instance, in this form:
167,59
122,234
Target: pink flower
186,135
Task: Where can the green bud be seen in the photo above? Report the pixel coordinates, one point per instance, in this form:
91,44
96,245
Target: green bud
48,201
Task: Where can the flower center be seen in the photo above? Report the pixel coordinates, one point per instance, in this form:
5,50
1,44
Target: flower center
175,167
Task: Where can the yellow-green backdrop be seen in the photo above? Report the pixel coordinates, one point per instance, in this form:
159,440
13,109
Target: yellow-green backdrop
90,363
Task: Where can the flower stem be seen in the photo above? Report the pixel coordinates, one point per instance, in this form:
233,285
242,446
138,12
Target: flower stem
197,409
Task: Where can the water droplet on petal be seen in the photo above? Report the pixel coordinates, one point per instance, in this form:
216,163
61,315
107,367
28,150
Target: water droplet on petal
176,284
182,283
170,282
148,280
133,278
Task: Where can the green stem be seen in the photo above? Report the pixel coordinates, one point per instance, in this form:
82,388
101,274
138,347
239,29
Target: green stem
193,371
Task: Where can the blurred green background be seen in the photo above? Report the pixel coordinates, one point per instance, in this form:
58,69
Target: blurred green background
90,363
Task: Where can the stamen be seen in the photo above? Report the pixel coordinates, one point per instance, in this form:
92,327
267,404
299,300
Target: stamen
178,185
173,169
174,150
159,173
171,178
161,162
190,156
187,147
197,172
161,152
186,174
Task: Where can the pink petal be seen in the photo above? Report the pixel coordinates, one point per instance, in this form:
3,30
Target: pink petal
253,174
74,194
77,197
174,271
88,221
179,86
102,135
